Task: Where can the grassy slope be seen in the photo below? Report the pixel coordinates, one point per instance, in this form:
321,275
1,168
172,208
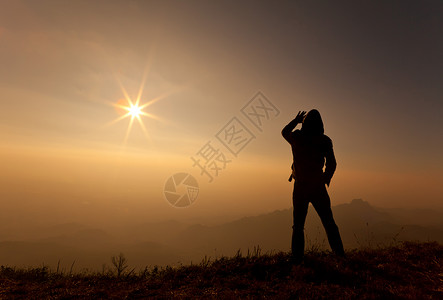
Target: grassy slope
410,270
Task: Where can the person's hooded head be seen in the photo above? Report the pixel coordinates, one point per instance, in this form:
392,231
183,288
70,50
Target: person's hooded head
313,124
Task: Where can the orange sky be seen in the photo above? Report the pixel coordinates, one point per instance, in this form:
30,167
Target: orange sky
375,80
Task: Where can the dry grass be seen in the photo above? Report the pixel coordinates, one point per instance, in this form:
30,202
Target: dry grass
406,271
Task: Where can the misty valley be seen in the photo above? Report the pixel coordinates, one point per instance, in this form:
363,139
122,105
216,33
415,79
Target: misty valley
77,247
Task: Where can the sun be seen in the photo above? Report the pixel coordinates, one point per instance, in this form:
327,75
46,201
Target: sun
135,110
129,109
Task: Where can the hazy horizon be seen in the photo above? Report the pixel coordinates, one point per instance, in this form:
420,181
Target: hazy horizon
178,242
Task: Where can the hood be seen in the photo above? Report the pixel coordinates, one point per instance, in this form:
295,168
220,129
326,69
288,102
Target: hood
313,124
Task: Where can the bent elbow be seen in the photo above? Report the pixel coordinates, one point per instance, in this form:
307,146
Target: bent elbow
285,134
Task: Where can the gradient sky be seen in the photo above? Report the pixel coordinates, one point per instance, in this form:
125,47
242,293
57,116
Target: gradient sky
373,69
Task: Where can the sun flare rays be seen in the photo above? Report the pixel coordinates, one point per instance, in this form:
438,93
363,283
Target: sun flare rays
135,109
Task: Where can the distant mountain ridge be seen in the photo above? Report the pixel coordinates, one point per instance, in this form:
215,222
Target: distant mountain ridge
360,224
172,242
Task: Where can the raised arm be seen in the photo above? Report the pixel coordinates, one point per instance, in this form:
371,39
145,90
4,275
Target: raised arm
287,130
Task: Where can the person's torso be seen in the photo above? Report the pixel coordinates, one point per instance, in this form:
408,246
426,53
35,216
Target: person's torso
309,153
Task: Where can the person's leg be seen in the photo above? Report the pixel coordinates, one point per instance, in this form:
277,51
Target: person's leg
322,205
300,209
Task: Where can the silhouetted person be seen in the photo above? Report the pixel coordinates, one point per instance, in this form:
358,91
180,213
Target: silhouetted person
310,148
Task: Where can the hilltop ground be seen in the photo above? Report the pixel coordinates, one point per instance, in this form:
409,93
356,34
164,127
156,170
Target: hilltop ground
407,271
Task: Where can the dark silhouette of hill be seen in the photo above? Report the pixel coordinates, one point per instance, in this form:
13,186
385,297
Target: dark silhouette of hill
88,237
172,242
360,224
271,230
405,271
159,232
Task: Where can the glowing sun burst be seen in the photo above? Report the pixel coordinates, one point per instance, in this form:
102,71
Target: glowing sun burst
134,110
